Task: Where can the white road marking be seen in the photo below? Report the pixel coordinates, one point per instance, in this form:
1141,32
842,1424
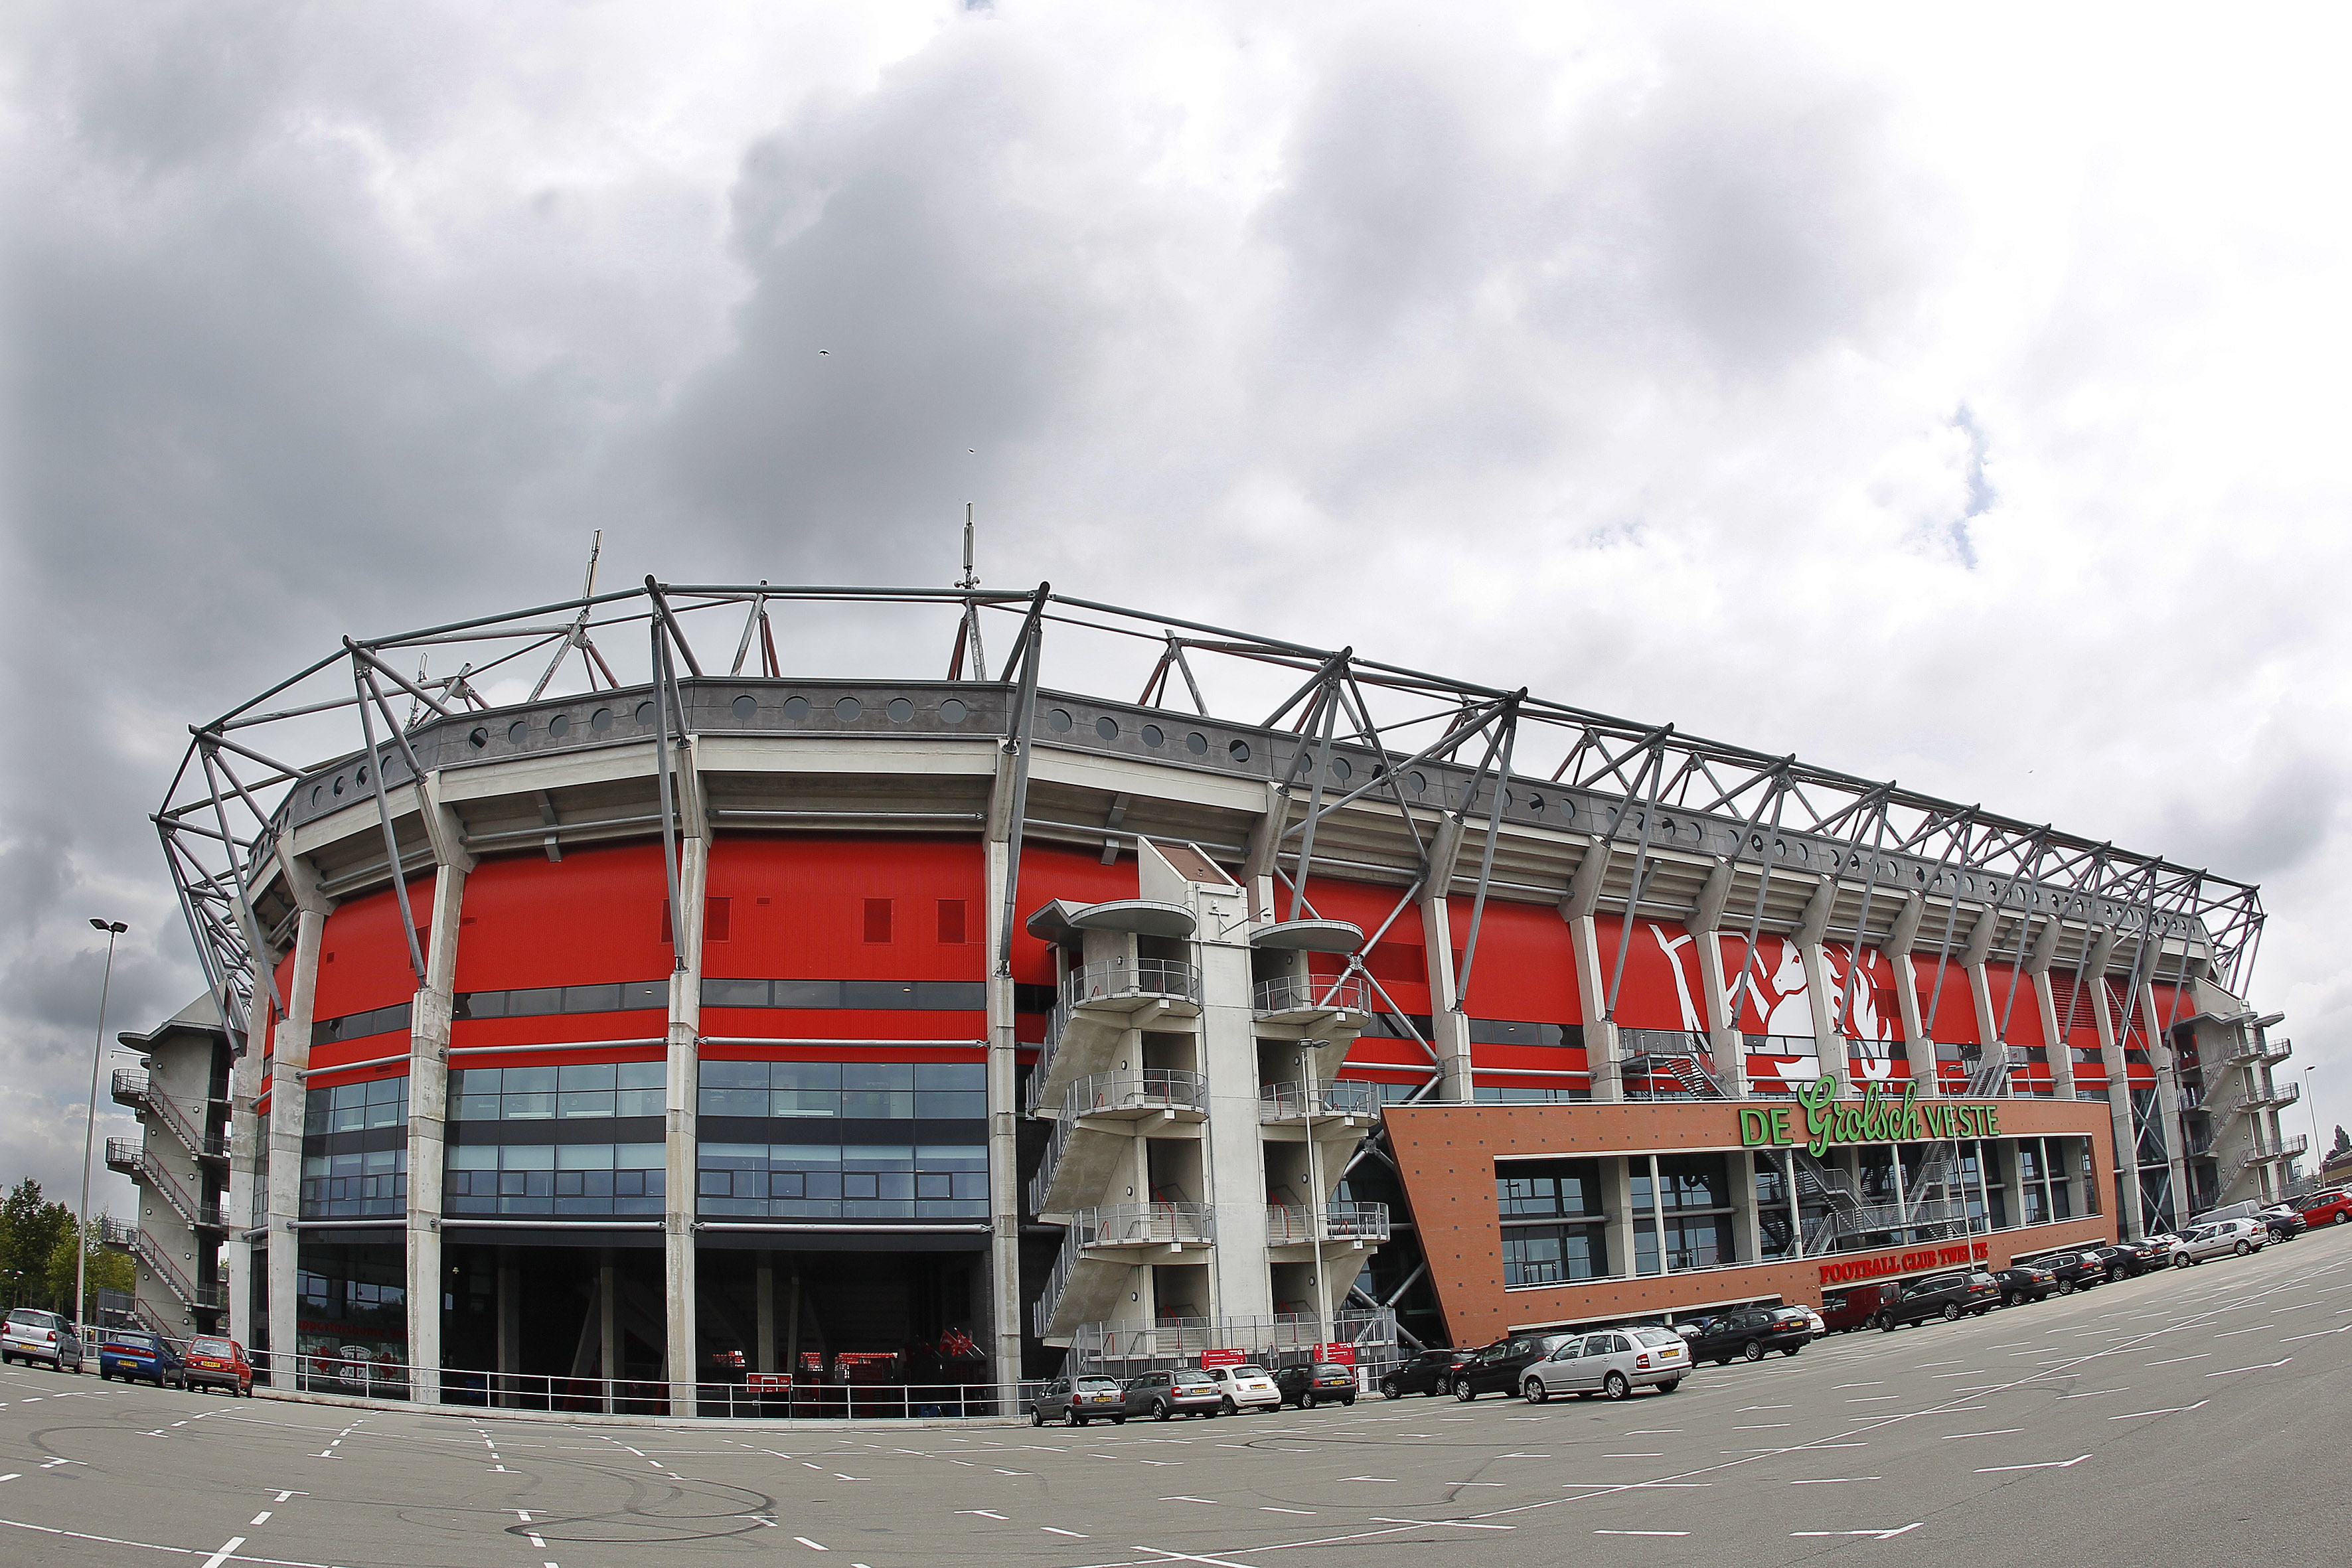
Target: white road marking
261,1517
2172,1410
1879,1534
217,1558
1997,1432
2200,1355
1210,1500
1264,1508
2094,1392
1071,1534
980,1512
811,1545
1836,1481
2044,1464
1641,1532
2258,1366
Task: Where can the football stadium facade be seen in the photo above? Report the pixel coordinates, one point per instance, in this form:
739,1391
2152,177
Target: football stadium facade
626,1006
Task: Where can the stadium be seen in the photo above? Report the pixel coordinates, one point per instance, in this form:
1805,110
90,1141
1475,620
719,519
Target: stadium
624,1009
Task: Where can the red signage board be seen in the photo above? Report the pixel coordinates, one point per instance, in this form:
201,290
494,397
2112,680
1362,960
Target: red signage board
1337,1354
1881,1264
1222,1358
769,1382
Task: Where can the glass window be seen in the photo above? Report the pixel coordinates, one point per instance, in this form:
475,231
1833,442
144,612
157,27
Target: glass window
1552,1254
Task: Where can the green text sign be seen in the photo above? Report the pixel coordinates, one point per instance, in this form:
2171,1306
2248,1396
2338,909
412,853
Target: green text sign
1874,1118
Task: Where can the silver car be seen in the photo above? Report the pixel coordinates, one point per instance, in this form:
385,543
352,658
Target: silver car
1611,1362
1074,1401
30,1335
2217,1238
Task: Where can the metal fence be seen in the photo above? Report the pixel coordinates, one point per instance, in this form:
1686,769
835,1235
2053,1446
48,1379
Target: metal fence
1119,977
1308,994
1293,1101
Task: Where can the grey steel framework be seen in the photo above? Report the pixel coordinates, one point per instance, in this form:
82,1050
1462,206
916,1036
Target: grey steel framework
1413,740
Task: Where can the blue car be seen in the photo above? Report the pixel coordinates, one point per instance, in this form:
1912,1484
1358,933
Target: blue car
132,1353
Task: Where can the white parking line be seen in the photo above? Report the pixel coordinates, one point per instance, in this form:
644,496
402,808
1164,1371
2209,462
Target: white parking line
2258,1366
2044,1464
217,1558
1997,1432
2169,1410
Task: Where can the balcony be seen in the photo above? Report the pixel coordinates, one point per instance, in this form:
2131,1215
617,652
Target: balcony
1089,1276
2262,1154
2278,1095
1084,1155
1305,998
1282,1104
1123,986
1353,1225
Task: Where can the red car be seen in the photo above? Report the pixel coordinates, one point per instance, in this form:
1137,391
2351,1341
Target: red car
2326,1208
216,1362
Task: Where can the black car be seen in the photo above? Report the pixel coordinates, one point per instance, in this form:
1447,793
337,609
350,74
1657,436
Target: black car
1749,1333
1430,1371
2075,1270
1324,1382
2149,1252
2123,1260
1946,1296
1496,1369
2024,1282
2285,1220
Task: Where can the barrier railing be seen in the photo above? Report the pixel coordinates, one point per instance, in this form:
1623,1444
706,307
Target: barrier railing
1308,994
130,1157
147,1250
1158,1089
1296,1101
1143,977
1289,1225
1119,1225
356,1373
132,1088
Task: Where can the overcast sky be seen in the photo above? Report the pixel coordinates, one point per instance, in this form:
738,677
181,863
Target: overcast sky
1956,400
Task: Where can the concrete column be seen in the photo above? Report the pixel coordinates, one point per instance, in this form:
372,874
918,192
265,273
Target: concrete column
1726,1051
2168,1099
1820,986
1617,1202
1002,1332
428,1091
1919,1046
290,1058
510,1310
608,1325
1602,1055
2061,1056
1972,964
1746,1220
2092,977
683,1090
1449,1023
764,1287
248,1137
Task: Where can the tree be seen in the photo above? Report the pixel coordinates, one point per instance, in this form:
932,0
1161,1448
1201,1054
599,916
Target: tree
2342,1143
106,1270
30,1232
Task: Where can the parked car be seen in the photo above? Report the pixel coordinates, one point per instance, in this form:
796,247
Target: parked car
1750,1333
1946,1296
1245,1387
1321,1383
1164,1395
2326,1208
2283,1221
2149,1251
2244,1208
1496,1368
1842,1311
2120,1259
30,1334
1074,1401
135,1353
2024,1282
1611,1362
2075,1270
1431,1373
2219,1237
216,1360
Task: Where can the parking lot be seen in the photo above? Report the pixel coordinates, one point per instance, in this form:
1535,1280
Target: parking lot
2183,1417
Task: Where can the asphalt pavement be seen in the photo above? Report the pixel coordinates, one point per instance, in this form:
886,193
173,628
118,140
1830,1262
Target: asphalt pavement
2184,1419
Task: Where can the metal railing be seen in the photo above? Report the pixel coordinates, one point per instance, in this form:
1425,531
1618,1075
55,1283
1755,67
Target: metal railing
2278,1052
1122,1349
2262,1154
1159,1088
1292,1225
1668,1076
132,1088
1055,1023
355,1372
1120,1225
147,1250
1308,994
1296,1101
129,1156
1118,977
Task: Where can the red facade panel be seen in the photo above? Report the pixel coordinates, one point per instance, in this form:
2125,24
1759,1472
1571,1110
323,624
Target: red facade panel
363,956
1660,986
1955,1020
835,908
594,915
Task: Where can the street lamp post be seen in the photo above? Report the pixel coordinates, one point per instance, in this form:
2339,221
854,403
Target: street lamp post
2312,1105
89,1132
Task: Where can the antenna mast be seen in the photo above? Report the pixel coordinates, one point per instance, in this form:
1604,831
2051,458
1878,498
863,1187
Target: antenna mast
970,608
577,637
